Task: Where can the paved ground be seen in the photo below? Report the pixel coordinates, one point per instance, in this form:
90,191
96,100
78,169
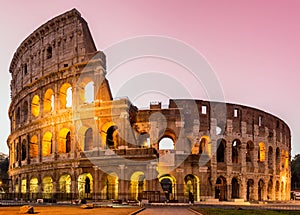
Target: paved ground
167,211
68,210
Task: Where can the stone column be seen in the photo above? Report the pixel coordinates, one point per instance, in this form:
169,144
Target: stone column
121,188
96,187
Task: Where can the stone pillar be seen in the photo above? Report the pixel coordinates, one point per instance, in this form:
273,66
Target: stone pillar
180,184
122,188
96,187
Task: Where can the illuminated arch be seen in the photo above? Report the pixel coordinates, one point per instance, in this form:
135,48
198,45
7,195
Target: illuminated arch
34,185
65,184
204,146
85,185
168,184
261,152
47,144
64,141
23,186
65,95
192,187
110,186
35,106
47,187
34,147
49,101
137,185
104,130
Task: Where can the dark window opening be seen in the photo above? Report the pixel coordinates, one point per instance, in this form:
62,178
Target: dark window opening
24,150
25,69
68,142
221,151
49,52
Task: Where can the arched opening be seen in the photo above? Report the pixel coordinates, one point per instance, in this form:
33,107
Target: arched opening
34,187
65,95
277,161
34,147
249,151
270,190
277,190
166,143
221,189
235,191
192,190
65,184
35,106
24,150
49,52
89,93
137,185
23,186
144,140
25,111
270,158
112,137
88,139
47,144
49,101
236,145
168,184
111,186
85,185
205,146
261,152
64,142
17,185
47,187
261,186
250,190
221,150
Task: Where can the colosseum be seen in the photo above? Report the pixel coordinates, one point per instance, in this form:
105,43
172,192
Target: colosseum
71,140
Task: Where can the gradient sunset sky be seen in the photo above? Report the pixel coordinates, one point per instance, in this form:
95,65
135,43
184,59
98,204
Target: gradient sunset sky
253,46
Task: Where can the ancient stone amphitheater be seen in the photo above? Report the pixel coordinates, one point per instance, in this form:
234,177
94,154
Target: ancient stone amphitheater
71,140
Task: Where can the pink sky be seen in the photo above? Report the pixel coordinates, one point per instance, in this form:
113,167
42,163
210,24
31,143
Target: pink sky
252,46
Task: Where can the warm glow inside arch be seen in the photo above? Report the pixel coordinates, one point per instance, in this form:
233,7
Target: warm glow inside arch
35,106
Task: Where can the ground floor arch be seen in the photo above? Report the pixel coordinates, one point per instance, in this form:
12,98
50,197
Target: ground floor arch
221,189
65,184
47,187
85,185
192,187
137,185
110,186
250,190
261,190
235,188
168,185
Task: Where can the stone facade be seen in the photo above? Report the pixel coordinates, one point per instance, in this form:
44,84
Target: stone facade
70,139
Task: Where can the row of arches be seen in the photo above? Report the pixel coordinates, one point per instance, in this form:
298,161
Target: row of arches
48,101
46,185
281,156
